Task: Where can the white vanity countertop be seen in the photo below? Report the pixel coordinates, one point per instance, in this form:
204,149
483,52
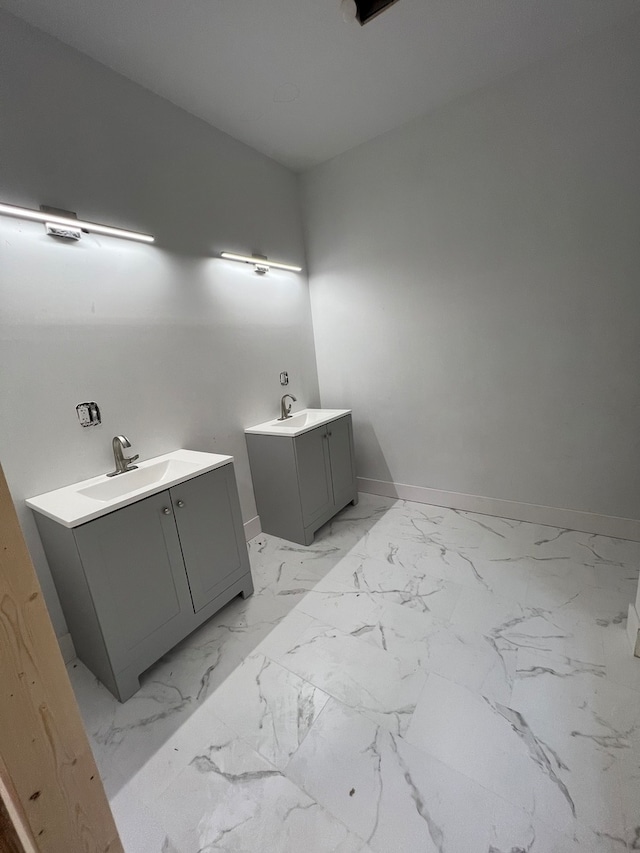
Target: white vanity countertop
299,422
81,502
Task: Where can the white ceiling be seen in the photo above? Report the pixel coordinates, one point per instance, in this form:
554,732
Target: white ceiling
293,79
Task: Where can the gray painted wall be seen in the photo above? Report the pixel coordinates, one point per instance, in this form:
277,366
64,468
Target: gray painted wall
475,286
180,349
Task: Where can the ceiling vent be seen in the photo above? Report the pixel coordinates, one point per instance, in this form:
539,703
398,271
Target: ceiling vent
370,9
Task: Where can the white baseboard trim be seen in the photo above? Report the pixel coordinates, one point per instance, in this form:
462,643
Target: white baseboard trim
633,630
252,528
67,648
588,522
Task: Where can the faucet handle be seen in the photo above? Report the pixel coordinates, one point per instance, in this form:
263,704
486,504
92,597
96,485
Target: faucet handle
133,458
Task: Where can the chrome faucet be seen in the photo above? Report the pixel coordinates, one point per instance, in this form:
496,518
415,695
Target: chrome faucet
284,409
123,464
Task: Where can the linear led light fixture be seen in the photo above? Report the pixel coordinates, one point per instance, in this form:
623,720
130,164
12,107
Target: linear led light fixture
71,222
261,263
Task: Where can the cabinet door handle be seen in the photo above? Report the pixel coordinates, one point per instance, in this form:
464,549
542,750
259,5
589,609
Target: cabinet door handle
166,510
329,432
180,503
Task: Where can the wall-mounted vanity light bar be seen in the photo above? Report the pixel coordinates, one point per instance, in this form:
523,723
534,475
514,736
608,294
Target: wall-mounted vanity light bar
71,222
261,263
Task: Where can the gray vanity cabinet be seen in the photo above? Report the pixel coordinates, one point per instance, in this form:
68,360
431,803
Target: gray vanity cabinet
213,546
136,577
343,473
137,580
313,468
301,482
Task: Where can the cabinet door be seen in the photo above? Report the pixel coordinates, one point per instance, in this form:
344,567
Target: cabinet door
314,474
134,568
342,464
211,533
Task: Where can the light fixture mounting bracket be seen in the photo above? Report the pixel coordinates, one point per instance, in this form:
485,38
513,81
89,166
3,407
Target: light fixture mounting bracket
64,232
260,268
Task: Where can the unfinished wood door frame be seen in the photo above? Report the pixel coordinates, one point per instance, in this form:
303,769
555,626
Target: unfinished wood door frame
10,841
14,835
49,785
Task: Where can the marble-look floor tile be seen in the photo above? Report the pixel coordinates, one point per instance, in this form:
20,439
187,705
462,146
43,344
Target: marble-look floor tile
630,799
516,626
285,566
389,582
408,522
230,798
345,608
592,725
124,736
609,552
269,706
437,555
352,525
571,602
139,830
433,679
517,832
472,660
584,566
284,635
624,550
202,662
623,578
621,666
417,638
530,759
401,799
358,674
202,730
390,794
468,568
533,664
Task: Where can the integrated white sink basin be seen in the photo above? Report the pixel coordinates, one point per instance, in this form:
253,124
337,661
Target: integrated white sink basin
299,422
145,475
89,499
